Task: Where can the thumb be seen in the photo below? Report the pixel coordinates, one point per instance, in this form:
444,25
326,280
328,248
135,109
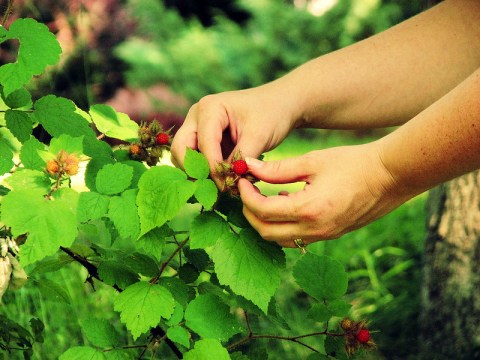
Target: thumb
281,171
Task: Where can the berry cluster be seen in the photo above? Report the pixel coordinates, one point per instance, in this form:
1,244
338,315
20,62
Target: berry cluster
63,163
231,172
152,141
356,335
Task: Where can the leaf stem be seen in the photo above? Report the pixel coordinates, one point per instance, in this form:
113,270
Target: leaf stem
165,264
8,11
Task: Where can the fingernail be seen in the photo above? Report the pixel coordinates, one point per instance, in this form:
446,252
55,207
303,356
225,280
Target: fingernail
253,163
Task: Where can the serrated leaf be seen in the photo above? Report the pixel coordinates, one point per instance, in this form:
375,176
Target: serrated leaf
113,178
188,273
206,193
82,353
177,315
250,265
20,124
117,354
163,191
141,306
114,124
52,291
67,143
57,115
181,292
100,332
124,215
93,167
206,229
196,164
210,317
94,232
18,99
29,154
6,157
179,335
198,257
115,273
154,241
141,263
321,277
29,179
207,349
138,170
323,311
49,224
38,49
92,206
50,264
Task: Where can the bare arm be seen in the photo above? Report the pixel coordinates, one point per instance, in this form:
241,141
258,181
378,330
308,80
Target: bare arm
389,78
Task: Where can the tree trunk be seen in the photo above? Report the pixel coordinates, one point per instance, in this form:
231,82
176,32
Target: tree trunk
450,314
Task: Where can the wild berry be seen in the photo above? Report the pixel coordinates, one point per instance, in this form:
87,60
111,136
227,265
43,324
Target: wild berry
163,139
135,149
53,167
363,336
240,167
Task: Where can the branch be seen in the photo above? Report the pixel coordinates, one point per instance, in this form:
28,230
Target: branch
165,264
8,11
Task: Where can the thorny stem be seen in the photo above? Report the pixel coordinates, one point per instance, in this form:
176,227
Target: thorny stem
165,264
7,13
251,336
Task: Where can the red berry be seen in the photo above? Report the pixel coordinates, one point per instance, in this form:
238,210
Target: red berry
163,139
363,336
240,167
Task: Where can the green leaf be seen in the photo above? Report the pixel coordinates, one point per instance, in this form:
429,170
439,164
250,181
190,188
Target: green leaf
317,356
67,143
49,224
38,49
138,170
163,191
206,192
57,115
6,157
124,215
117,354
141,306
207,349
321,277
196,164
206,229
154,241
94,232
181,292
50,264
188,273
20,124
116,273
92,206
198,257
100,332
209,317
141,263
250,265
113,178
177,315
179,335
322,312
18,99
114,124
93,167
29,179
82,353
37,329
52,291
29,154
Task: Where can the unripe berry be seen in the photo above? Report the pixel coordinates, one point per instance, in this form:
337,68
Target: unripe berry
363,336
135,149
240,167
163,139
53,167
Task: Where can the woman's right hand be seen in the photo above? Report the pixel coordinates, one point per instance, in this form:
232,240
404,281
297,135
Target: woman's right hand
252,121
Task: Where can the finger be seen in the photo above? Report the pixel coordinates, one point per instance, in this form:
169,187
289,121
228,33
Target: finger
282,171
186,137
273,208
213,119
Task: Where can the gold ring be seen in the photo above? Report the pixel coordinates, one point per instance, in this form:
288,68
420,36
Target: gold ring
301,245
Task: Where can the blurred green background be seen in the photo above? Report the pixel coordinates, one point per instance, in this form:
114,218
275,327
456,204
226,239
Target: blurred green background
153,58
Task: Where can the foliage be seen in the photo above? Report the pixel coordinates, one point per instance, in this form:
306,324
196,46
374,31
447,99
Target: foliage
187,291
196,61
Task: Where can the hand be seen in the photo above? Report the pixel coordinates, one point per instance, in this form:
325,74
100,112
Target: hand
346,188
253,121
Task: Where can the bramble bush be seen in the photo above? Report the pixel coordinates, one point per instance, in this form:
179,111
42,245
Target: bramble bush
193,291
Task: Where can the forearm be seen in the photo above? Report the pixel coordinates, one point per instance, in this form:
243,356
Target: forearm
439,144
387,79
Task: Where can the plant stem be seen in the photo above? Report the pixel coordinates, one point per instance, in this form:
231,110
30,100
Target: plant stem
165,264
7,13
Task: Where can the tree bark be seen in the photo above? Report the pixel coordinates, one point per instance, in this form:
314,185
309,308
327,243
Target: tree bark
450,314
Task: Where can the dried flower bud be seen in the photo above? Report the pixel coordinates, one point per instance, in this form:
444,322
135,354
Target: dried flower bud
71,165
19,276
5,274
53,167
